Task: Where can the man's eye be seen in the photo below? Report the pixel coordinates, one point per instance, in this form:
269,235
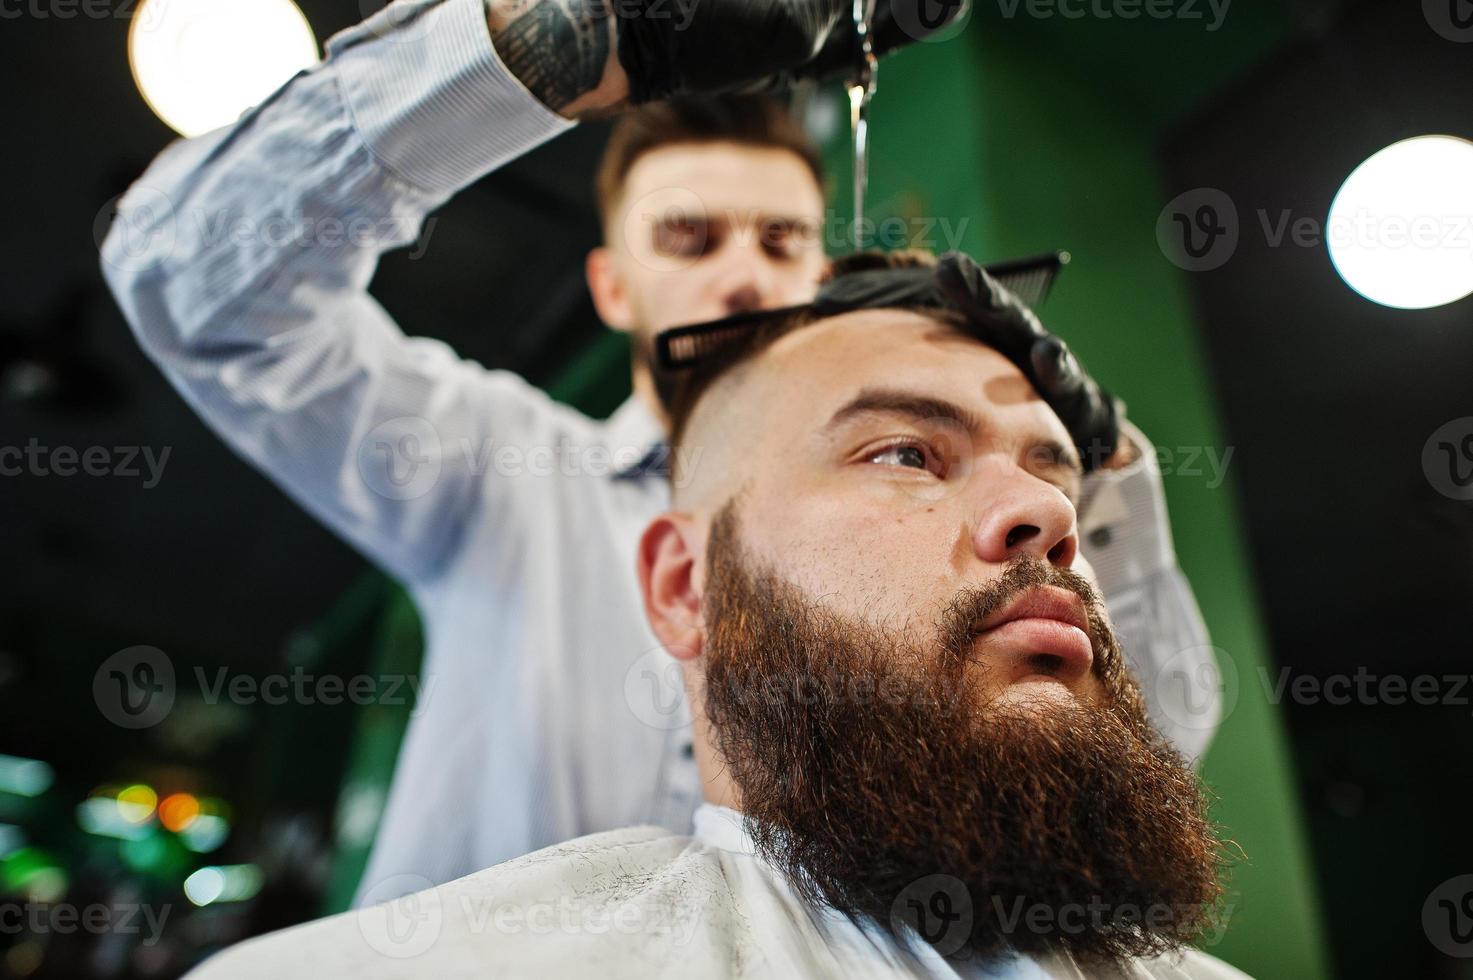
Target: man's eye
781,249
681,238
908,454
779,241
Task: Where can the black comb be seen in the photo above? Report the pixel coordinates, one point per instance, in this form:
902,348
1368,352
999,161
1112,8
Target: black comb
1030,279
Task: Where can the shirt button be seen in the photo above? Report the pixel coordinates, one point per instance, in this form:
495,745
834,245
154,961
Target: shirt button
1100,537
688,750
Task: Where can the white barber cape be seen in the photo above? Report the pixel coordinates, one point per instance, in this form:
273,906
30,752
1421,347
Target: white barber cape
634,903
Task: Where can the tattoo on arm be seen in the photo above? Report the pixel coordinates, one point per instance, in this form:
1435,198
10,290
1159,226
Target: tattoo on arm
557,48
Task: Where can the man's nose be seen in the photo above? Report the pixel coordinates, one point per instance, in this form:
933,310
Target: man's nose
746,281
1021,514
743,298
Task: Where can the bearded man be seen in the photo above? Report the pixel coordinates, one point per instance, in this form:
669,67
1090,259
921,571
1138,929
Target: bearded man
921,751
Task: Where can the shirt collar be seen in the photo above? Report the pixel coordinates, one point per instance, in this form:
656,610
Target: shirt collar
722,827
633,427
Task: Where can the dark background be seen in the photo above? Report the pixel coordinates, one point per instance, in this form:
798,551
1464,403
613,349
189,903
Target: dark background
1360,562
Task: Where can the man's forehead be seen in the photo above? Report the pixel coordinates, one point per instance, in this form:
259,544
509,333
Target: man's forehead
814,385
871,341
816,370
722,179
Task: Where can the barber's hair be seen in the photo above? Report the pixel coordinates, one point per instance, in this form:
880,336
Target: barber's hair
754,120
696,380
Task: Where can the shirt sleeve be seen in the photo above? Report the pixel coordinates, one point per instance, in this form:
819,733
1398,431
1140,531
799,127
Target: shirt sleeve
1125,535
242,258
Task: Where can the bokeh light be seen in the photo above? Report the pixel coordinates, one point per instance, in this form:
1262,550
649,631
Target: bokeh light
178,810
201,63
1401,227
136,803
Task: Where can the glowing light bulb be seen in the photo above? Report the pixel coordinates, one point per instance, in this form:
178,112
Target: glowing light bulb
1401,227
201,63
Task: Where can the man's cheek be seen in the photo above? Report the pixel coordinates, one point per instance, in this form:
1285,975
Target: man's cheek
888,529
881,577
854,540
664,304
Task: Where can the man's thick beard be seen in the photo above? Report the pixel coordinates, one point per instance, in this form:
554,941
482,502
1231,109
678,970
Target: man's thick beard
874,776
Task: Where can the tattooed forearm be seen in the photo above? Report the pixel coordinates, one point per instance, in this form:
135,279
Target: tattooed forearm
557,48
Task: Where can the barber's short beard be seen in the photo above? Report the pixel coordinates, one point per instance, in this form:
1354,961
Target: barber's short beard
642,348
874,774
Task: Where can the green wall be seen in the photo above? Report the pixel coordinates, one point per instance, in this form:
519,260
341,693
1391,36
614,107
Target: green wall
1041,135
1043,153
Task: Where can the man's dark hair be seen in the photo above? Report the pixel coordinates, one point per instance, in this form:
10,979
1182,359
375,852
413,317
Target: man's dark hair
752,120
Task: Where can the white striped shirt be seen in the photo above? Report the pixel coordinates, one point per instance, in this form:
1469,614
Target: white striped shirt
548,711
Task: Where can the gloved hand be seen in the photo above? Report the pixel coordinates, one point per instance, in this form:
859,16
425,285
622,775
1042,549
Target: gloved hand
756,45
1003,322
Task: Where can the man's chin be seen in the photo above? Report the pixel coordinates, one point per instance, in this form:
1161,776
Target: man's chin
1039,696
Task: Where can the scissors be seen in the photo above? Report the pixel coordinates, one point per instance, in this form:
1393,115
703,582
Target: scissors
861,91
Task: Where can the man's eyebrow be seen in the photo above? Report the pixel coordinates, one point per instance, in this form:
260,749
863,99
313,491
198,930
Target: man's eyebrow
894,401
1068,456
786,220
742,216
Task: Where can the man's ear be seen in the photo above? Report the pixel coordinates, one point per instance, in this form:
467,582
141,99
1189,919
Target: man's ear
670,581
610,297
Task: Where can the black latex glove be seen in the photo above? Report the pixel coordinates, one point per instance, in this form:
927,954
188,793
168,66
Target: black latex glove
758,45
1003,322
1000,320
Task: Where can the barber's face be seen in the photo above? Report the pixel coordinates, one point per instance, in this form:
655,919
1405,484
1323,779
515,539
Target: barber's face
894,464
705,230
